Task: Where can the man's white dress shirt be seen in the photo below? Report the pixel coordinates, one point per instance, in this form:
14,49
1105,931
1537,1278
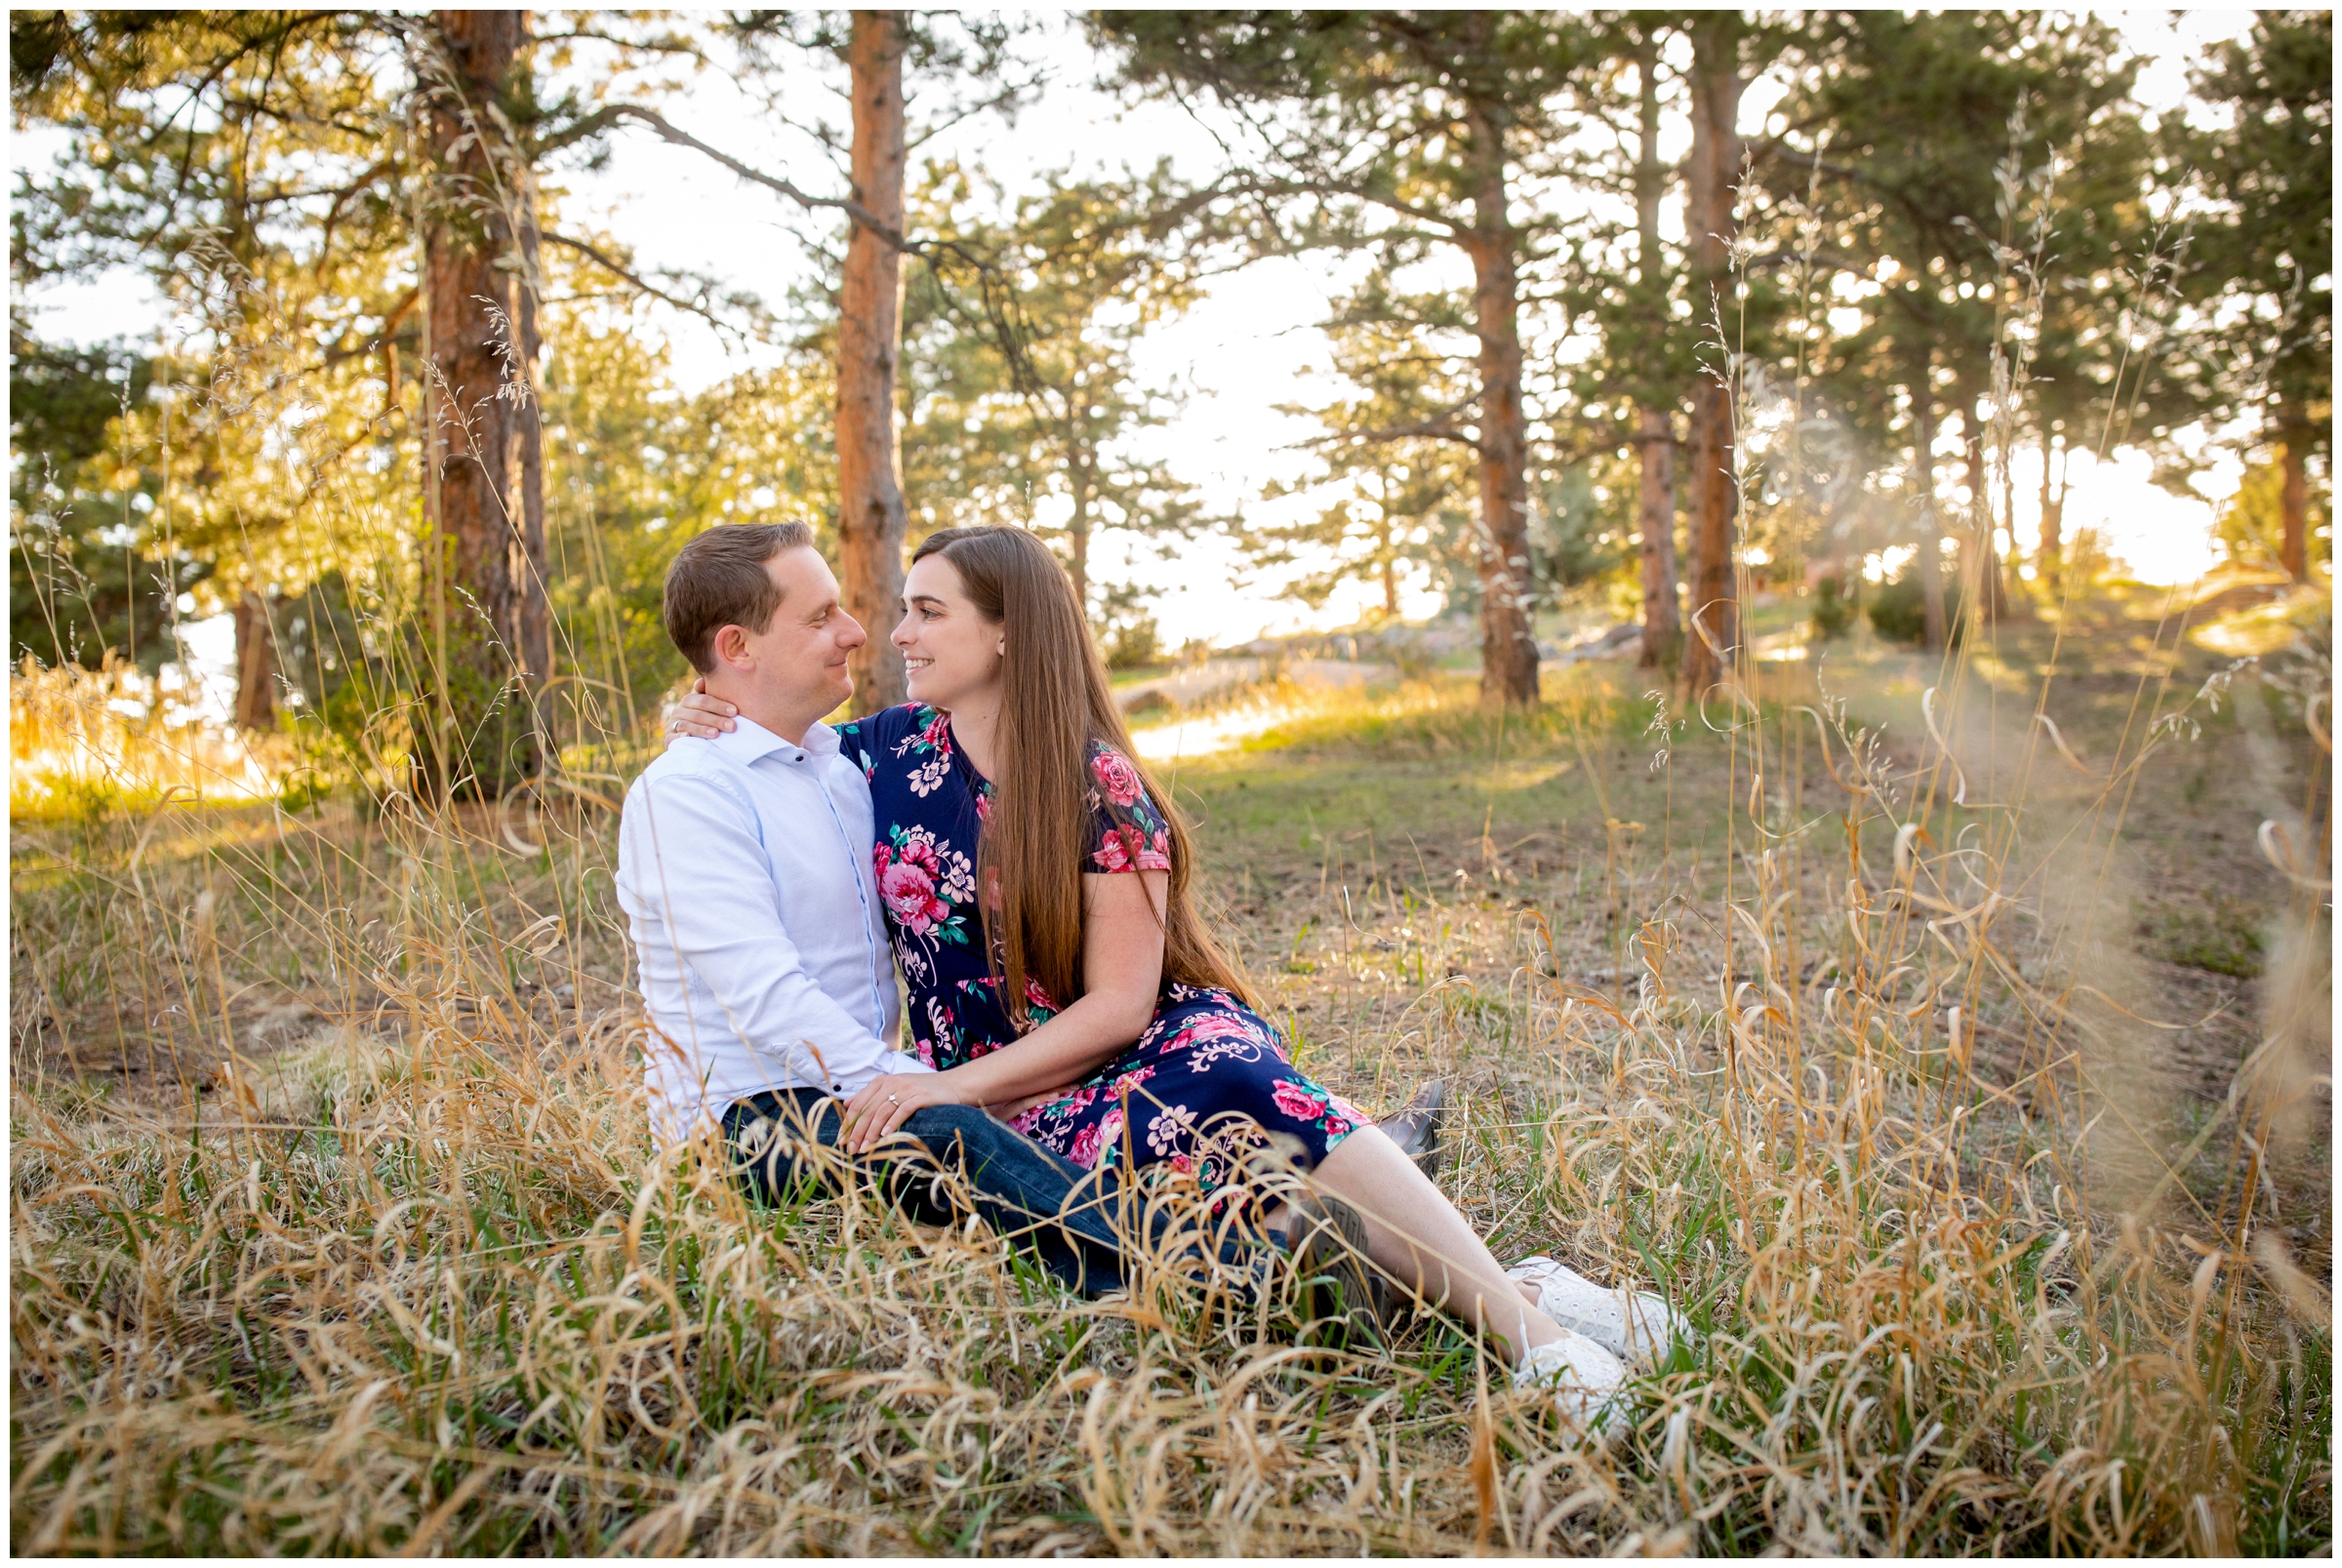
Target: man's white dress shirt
743,866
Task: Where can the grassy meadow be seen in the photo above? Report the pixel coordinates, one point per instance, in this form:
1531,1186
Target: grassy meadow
1963,1075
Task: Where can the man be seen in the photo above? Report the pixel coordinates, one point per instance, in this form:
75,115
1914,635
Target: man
745,872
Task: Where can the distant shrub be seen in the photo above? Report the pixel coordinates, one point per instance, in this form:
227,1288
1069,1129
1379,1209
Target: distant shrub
1128,637
1832,610
1411,653
1133,645
1899,610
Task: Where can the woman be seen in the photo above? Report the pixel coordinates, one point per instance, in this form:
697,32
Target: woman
1037,887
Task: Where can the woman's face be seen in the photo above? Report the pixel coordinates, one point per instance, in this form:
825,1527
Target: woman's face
950,653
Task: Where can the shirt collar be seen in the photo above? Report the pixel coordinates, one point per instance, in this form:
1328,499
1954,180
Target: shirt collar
750,741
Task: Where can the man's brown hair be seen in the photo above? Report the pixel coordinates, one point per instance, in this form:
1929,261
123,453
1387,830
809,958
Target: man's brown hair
718,580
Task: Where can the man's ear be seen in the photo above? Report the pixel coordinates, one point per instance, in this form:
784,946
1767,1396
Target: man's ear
731,647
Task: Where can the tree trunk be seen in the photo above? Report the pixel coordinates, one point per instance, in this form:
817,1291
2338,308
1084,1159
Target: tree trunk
1386,543
1662,614
1979,555
1655,436
872,521
2293,553
1508,641
1930,558
2051,553
484,493
2010,588
1714,177
1077,533
1390,565
536,598
256,663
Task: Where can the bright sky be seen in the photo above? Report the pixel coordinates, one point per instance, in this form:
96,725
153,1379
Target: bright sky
1247,348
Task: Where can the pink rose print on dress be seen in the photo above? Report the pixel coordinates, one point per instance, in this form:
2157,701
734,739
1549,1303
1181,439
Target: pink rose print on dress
1061,1108
1118,778
1219,1027
1112,853
1295,1102
1123,849
1096,1141
907,882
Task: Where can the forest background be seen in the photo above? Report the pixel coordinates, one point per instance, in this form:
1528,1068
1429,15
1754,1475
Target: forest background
206,167
1805,545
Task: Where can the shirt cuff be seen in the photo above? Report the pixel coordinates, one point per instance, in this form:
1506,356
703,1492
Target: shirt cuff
903,1061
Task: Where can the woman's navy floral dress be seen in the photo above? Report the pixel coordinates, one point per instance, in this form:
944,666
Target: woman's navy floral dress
1207,1062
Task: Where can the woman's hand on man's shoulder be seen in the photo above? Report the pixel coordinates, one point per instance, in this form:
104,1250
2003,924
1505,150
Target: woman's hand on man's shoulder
697,714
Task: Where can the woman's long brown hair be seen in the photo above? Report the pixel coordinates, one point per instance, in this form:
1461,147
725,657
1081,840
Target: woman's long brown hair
1055,701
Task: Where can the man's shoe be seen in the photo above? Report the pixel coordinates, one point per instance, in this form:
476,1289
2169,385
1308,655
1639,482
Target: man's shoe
1639,1328
1416,1129
1329,1259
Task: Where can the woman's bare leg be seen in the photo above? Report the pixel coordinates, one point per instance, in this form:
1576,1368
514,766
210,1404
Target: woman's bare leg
1416,1236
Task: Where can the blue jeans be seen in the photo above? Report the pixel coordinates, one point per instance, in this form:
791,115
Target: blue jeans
1047,1205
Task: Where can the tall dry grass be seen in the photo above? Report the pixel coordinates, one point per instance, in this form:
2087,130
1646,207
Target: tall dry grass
335,1225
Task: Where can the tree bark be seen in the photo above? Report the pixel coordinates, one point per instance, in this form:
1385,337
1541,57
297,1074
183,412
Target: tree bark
2293,551
1388,550
536,598
873,520
1655,435
2051,553
1930,558
484,495
1507,640
2052,541
1979,556
256,663
1077,533
1714,178
1662,614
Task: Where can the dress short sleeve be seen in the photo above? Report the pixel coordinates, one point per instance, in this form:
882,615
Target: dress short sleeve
1126,829
855,742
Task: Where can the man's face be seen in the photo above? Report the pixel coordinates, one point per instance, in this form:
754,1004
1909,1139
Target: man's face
797,663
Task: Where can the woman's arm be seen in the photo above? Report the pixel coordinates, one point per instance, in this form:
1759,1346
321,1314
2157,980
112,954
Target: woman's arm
1122,969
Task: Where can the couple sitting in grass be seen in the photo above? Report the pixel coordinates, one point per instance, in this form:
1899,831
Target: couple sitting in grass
1072,1023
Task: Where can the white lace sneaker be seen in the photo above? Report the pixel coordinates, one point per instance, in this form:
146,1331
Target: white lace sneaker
1584,1379
1640,1329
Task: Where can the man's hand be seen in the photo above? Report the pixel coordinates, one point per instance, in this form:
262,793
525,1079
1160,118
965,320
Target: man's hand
886,1102
697,713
